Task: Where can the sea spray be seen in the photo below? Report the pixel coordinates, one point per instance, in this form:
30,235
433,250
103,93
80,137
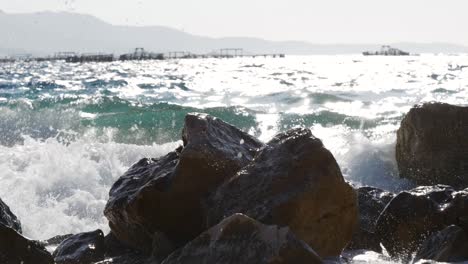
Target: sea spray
57,188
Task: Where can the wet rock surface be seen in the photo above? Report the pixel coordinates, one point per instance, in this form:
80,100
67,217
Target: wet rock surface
293,181
413,215
115,248
432,145
14,249
240,239
372,202
55,241
83,248
162,200
93,247
8,219
447,245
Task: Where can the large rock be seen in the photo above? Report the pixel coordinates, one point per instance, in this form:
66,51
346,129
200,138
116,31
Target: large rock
83,248
432,145
8,219
15,249
240,239
162,199
293,181
413,215
372,202
448,245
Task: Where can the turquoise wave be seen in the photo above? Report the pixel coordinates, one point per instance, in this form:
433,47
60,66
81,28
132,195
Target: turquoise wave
124,121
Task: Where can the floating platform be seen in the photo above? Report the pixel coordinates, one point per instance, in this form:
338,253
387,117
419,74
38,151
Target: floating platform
91,58
141,54
6,60
386,51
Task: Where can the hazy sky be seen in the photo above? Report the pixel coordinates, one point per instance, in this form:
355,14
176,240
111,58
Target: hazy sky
318,21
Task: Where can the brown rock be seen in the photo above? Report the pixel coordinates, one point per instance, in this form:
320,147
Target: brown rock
14,249
432,145
161,199
413,215
293,181
240,239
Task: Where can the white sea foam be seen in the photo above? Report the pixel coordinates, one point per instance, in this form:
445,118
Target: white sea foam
57,188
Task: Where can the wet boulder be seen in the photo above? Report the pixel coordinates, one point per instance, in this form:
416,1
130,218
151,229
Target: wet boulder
162,199
413,215
14,249
81,248
240,239
115,247
55,241
448,245
118,253
372,202
432,145
293,181
8,219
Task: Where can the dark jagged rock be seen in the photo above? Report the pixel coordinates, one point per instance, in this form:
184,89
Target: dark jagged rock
240,239
293,181
372,202
8,219
81,248
448,245
432,145
161,200
413,215
55,241
118,253
14,249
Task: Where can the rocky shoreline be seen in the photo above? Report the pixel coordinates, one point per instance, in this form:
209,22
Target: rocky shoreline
226,197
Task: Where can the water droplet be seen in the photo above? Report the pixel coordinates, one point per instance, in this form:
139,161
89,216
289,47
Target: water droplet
239,155
242,141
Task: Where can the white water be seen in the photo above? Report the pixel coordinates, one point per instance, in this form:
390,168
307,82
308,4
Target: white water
56,188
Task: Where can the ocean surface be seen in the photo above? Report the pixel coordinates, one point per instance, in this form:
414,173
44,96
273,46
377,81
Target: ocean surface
68,131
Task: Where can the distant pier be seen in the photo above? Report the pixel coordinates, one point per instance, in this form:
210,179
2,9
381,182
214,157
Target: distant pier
138,54
91,58
141,54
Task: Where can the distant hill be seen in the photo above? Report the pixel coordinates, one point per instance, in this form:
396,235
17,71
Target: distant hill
49,32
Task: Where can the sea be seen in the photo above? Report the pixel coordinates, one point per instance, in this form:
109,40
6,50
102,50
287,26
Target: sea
68,131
